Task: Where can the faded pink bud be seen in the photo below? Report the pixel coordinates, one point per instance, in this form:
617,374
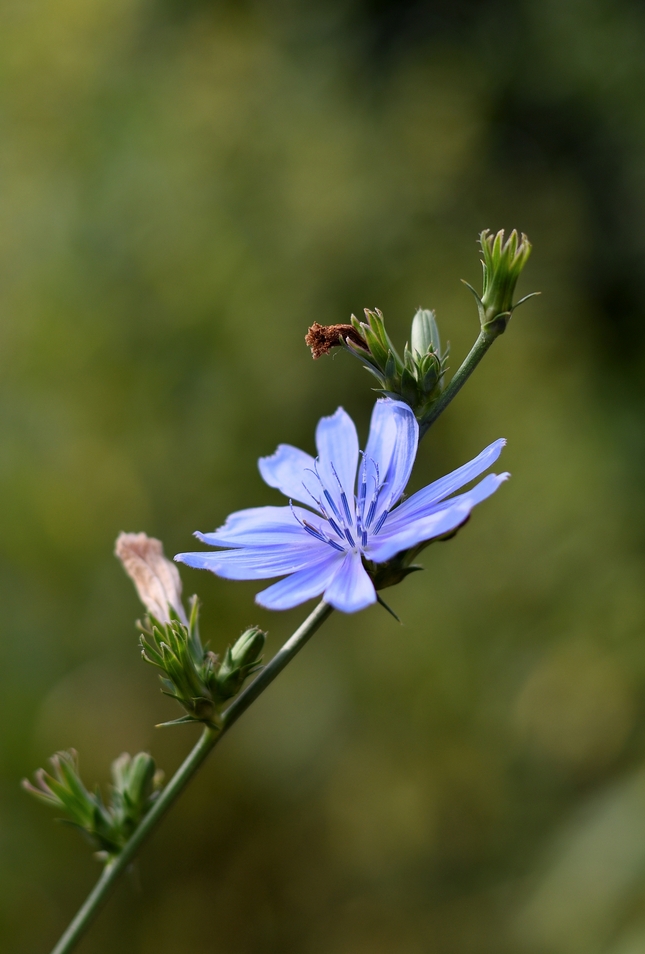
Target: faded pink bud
157,580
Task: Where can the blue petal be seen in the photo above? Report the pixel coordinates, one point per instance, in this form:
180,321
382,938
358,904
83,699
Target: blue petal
401,535
425,500
302,585
391,448
351,588
256,563
263,526
287,469
337,443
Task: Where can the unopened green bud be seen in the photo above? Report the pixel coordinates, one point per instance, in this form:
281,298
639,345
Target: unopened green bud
136,785
247,650
417,378
134,776
240,661
64,790
191,673
502,264
424,337
107,824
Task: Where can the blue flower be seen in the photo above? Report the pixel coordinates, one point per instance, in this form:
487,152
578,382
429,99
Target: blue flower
320,550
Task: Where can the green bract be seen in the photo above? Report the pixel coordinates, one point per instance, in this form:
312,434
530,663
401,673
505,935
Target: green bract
502,264
136,784
191,673
417,378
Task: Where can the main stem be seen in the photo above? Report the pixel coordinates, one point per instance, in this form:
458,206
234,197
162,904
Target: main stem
207,741
470,362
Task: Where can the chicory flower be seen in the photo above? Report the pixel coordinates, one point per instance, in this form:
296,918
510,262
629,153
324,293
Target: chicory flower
352,512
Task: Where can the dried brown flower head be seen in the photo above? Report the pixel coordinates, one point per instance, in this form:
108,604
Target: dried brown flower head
322,338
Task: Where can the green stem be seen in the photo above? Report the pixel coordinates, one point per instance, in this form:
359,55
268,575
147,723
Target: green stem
476,353
277,664
207,741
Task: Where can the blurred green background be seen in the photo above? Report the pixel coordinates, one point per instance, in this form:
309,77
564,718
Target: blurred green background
185,186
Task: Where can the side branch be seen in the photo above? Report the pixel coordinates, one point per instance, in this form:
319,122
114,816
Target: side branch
207,741
470,362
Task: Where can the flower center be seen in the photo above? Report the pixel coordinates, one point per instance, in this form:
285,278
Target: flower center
335,509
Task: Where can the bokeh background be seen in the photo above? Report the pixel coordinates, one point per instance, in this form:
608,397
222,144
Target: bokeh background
185,185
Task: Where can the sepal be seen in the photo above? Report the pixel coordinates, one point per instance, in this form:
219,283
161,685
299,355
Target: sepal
402,564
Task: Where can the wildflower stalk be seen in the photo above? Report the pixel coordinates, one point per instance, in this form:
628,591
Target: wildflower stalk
207,741
212,733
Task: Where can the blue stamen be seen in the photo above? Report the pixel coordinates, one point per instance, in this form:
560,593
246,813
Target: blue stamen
349,538
362,489
380,522
342,496
314,533
305,525
330,501
317,533
326,493
335,527
370,512
336,546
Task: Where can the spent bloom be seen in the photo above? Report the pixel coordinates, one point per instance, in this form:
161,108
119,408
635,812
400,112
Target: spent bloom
155,577
354,515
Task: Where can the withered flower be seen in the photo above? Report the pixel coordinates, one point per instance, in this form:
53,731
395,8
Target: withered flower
157,580
322,338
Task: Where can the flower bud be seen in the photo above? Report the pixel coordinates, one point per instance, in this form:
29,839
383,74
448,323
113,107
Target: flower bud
64,789
502,264
192,674
134,777
137,783
424,337
157,579
107,825
187,668
240,661
417,378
